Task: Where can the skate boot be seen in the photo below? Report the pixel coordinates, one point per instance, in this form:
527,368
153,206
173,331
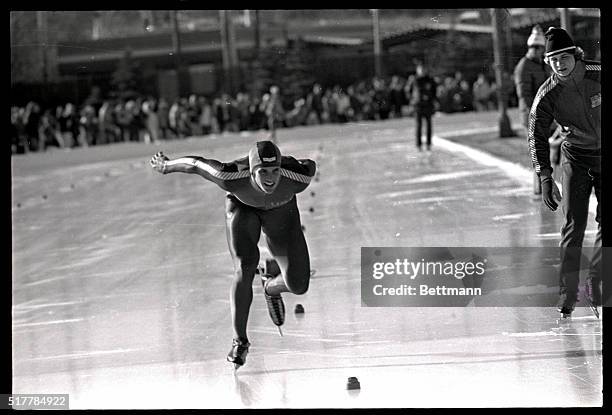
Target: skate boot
593,294
276,307
566,304
566,312
566,308
237,355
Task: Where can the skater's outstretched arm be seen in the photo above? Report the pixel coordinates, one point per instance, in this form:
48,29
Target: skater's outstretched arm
222,174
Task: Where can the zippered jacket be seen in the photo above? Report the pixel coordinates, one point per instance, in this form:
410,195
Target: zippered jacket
575,103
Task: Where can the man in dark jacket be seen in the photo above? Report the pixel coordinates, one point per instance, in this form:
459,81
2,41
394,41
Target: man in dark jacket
422,92
572,98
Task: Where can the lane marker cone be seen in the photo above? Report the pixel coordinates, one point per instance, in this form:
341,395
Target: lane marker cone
353,383
299,309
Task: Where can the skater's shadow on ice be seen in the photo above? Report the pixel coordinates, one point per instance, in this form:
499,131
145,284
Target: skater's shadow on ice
244,391
469,359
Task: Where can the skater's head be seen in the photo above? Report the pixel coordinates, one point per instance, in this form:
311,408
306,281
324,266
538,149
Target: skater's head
264,164
560,51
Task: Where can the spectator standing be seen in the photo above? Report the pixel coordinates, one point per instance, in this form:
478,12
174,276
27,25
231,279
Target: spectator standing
106,123
221,114
183,123
466,97
205,116
88,126
193,115
257,117
274,111
407,97
173,117
529,74
49,131
164,118
423,96
19,143
381,99
315,102
123,118
32,122
149,112
343,106
69,126
242,107
481,91
396,96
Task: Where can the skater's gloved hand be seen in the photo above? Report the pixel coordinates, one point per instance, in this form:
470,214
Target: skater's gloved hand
158,162
550,193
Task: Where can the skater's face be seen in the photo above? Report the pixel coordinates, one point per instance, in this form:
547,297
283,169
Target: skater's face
562,64
267,178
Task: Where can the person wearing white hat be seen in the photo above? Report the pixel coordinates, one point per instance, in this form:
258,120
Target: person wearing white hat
529,74
571,96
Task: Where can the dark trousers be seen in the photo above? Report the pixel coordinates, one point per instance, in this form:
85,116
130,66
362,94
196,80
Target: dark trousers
286,243
420,115
581,173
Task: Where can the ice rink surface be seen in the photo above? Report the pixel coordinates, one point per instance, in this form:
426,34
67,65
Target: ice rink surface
121,281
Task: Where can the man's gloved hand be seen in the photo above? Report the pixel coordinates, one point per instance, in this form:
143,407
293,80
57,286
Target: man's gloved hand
550,193
158,162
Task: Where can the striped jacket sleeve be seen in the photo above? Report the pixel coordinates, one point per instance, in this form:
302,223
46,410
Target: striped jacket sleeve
224,175
299,172
540,119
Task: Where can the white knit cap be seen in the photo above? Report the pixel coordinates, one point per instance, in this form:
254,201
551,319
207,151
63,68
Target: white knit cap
537,37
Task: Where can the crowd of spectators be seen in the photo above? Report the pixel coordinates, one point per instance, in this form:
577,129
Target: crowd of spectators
150,120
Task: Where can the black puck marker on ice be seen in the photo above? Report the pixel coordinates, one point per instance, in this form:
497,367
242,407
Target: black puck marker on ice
299,309
353,383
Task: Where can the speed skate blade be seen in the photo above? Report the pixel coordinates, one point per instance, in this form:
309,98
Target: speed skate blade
280,332
594,310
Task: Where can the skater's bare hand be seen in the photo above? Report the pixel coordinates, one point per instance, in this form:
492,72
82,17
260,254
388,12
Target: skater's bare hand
158,162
